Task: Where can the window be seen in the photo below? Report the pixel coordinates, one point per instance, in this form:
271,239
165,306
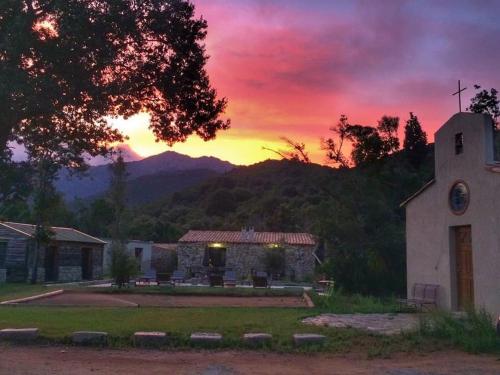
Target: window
459,143
3,253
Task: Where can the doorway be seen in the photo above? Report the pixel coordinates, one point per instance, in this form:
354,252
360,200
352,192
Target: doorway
464,267
86,264
51,263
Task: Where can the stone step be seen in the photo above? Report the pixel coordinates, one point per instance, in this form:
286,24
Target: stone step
301,339
150,339
257,338
18,334
210,338
90,338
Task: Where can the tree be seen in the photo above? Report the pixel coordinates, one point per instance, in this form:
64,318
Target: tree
367,144
415,142
123,266
296,151
65,65
388,130
333,147
486,102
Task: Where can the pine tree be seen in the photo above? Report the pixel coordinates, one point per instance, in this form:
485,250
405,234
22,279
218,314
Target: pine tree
415,143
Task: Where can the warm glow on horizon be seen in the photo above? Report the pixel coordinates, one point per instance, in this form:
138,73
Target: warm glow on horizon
231,146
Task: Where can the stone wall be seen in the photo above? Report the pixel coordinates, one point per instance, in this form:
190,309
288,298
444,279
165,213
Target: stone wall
243,258
163,260
3,275
68,274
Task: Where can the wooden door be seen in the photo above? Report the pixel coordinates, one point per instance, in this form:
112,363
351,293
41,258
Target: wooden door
87,264
463,257
51,263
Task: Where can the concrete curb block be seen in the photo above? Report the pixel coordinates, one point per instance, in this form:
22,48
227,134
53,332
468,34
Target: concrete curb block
21,334
302,339
90,338
257,338
308,300
210,338
149,339
32,298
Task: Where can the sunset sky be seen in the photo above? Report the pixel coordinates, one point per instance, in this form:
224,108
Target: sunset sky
291,68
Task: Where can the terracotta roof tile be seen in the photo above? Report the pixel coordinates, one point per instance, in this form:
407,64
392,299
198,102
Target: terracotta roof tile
249,237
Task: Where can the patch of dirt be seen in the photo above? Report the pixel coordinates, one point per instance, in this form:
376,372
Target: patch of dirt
17,360
156,300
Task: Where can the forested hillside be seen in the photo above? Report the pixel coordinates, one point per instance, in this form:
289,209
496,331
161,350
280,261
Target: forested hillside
354,212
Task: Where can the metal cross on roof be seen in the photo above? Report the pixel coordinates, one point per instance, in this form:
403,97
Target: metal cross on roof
459,92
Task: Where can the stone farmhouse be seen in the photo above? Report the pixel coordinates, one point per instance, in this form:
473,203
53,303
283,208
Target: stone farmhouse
453,222
70,256
246,251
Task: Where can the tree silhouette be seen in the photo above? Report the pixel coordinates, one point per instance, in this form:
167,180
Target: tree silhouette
415,142
486,102
296,151
388,130
65,65
333,146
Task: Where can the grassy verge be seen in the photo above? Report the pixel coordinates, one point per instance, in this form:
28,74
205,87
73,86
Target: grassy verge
473,332
334,301
9,291
57,324
201,291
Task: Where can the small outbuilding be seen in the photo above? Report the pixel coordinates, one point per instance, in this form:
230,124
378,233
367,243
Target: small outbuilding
70,256
284,255
453,222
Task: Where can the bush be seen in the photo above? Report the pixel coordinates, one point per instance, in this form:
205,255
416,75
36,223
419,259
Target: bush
474,332
123,266
336,301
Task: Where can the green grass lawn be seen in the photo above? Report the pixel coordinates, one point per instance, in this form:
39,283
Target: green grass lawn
57,324
9,291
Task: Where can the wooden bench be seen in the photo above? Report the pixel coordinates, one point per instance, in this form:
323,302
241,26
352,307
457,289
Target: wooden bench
423,296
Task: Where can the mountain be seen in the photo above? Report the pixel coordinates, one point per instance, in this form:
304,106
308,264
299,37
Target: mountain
96,180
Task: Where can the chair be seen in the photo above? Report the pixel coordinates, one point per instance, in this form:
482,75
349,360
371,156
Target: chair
215,279
148,278
260,279
178,276
423,296
229,279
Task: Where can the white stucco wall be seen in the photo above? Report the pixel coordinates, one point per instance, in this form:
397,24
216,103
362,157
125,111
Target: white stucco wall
146,247
429,220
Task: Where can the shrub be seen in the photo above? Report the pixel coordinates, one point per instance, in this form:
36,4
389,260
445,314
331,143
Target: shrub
474,332
123,266
336,301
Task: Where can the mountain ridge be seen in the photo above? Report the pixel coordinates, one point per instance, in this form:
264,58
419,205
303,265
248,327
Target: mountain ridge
95,180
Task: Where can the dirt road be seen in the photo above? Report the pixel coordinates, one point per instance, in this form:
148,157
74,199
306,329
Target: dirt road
16,360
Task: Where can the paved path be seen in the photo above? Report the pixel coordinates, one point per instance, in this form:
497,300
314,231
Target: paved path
385,324
27,360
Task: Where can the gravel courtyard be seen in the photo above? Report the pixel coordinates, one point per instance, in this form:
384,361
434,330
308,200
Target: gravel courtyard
16,360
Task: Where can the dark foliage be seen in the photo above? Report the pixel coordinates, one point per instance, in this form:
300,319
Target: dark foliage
415,143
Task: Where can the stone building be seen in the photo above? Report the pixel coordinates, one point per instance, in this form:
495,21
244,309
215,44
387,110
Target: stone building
453,222
247,251
70,256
